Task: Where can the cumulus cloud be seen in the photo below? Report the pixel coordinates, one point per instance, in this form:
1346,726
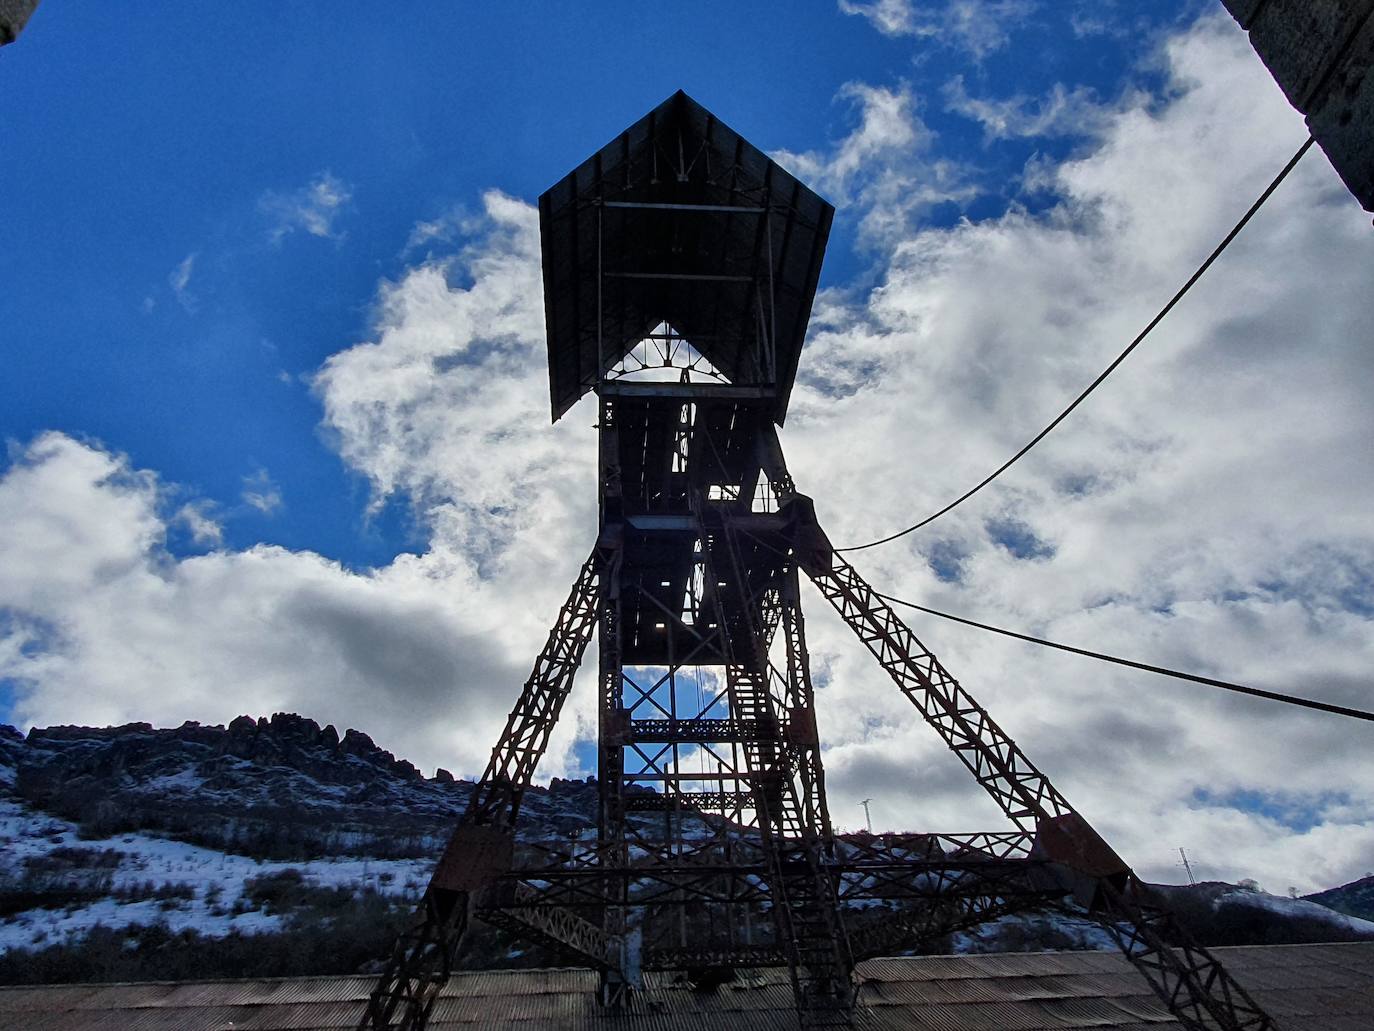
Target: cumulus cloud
451,226
978,26
1203,510
312,209
448,405
105,626
1206,509
200,523
1108,18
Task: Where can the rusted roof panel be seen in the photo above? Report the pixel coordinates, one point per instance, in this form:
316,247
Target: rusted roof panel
1326,986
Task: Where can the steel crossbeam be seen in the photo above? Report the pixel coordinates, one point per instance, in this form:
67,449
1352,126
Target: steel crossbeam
929,898
699,731
920,890
679,884
863,869
883,932
555,927
698,801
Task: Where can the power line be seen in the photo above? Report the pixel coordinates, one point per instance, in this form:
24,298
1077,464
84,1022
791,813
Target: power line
1273,696
1235,231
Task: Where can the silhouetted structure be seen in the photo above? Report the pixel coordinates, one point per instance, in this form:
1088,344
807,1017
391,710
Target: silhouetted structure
14,14
680,264
1320,54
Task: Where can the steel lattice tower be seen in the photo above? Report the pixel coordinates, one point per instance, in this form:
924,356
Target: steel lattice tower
680,265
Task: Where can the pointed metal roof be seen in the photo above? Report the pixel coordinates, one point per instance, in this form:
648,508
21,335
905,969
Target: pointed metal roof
681,220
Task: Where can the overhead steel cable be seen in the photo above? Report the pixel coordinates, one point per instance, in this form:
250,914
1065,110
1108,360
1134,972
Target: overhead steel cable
1235,231
1273,696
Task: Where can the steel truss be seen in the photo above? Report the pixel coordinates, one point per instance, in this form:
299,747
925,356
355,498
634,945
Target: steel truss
901,889
680,264
764,850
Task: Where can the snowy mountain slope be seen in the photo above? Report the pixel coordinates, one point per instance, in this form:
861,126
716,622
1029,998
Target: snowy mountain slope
1353,899
1298,910
1226,914
278,846
264,832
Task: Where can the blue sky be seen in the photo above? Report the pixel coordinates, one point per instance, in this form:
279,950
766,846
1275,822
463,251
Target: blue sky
136,139
274,396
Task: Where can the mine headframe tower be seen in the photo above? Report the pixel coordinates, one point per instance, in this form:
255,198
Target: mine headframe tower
680,265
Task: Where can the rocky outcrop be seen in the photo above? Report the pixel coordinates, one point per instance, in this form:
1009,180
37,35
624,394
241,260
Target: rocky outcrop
282,787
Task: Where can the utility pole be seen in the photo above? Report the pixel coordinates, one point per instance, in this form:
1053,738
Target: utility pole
867,818
1187,866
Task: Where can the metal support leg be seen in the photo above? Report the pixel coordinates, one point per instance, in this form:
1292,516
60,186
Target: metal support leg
1186,976
792,822
482,845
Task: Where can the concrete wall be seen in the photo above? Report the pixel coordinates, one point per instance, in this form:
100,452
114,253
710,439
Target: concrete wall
13,15
1320,52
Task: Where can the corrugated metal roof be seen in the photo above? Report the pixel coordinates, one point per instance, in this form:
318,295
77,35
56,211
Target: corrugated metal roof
693,226
1318,986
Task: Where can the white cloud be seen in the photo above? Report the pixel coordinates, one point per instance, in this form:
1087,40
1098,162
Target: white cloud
889,127
449,227
1110,18
448,405
883,166
440,230
890,17
311,209
105,626
261,493
1206,509
200,524
180,281
1061,112
978,26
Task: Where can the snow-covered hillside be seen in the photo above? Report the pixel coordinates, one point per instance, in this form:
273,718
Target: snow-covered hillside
1297,909
141,879
255,834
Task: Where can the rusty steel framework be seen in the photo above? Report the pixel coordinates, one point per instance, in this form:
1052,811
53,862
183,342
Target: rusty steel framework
680,265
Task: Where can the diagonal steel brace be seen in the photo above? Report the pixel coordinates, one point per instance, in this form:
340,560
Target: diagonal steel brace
1189,980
